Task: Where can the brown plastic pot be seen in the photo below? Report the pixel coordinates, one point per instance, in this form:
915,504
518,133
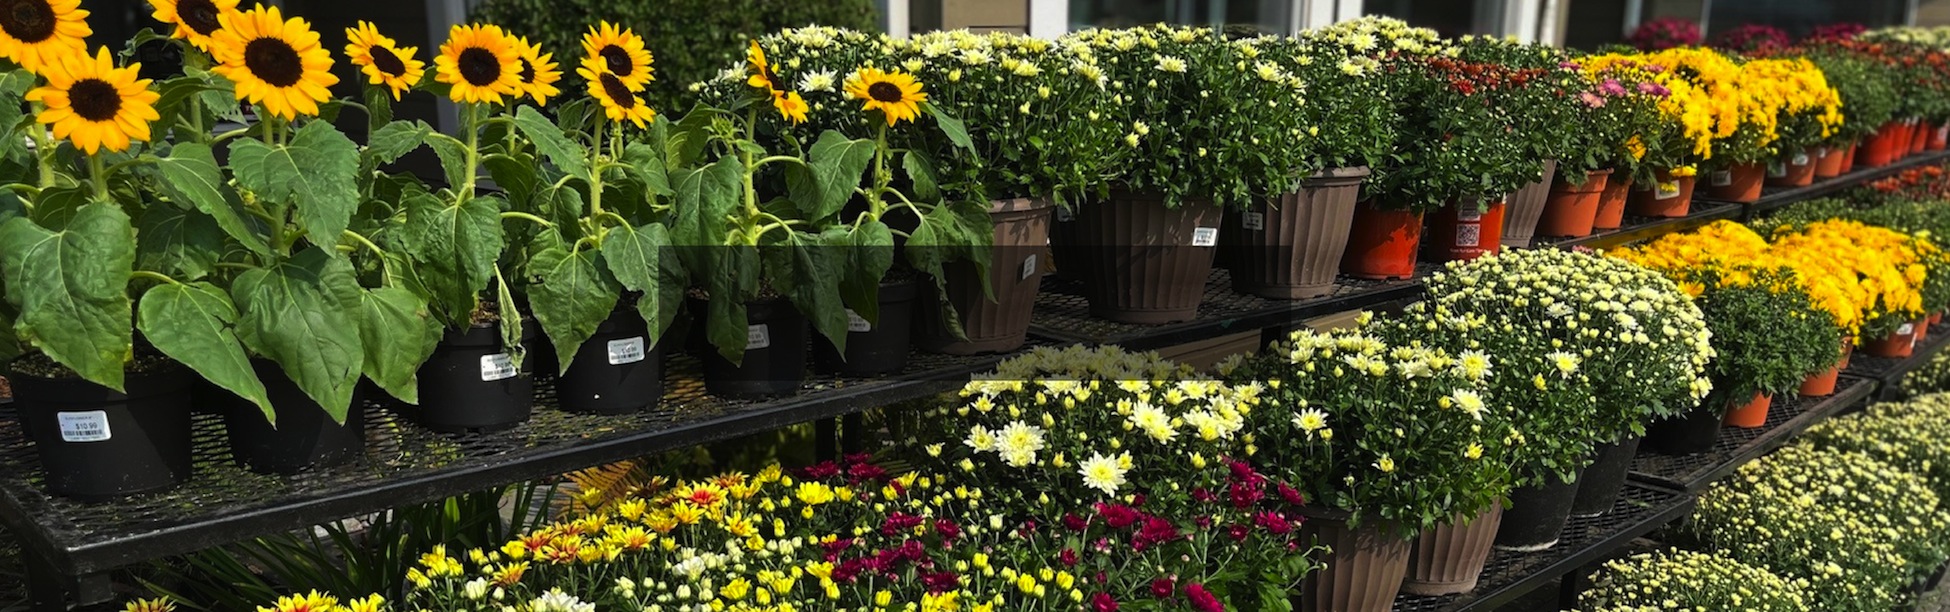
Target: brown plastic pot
1364,571
1381,243
1752,414
1526,206
1736,183
1290,247
1794,169
1572,208
1447,559
1464,230
1665,196
1898,344
1828,161
1022,228
1612,201
1145,263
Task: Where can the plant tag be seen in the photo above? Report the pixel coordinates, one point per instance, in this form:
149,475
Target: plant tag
1722,178
497,367
89,426
1943,132
627,350
1667,190
1064,215
1252,221
1205,237
1906,329
1776,169
1800,159
1469,236
1821,151
1469,215
1028,268
856,324
758,337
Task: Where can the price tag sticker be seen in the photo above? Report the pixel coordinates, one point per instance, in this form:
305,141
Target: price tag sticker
497,367
758,337
856,324
1028,268
1667,190
1205,237
1252,221
1906,329
1722,178
627,350
89,426
1800,159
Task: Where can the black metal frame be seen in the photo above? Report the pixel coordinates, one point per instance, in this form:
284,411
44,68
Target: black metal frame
1786,419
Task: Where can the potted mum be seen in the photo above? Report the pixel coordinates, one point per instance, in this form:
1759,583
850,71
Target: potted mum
1809,114
1866,93
1891,272
1545,116
1384,440
1672,148
1700,581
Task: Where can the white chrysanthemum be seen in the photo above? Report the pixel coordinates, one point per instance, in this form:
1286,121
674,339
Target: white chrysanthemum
1475,365
1105,473
1171,64
1566,363
558,601
1310,420
1018,442
823,80
1153,422
980,439
1470,402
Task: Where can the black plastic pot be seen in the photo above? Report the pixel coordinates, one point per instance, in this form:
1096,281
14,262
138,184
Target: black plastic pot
616,372
1536,516
470,384
874,349
1598,487
97,444
775,353
1690,434
304,437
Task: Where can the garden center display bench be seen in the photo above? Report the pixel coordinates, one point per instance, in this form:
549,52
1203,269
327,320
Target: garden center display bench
1888,372
1773,198
1736,446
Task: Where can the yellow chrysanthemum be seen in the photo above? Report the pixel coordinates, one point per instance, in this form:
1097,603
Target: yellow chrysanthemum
619,102
384,63
618,51
37,33
195,20
274,62
95,105
895,94
480,62
792,107
539,72
150,605
309,602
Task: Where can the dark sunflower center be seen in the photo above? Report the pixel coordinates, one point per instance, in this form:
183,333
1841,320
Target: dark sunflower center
94,99
199,15
385,61
618,60
29,21
274,61
527,71
618,92
885,92
479,66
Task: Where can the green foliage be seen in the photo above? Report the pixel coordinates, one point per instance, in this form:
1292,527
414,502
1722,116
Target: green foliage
70,288
1692,581
1868,97
1767,333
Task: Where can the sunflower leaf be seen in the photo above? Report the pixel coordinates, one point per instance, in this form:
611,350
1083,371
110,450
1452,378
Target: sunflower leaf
317,171
643,260
551,142
177,241
71,287
393,141
951,126
300,313
574,294
454,247
397,334
195,324
832,171
191,176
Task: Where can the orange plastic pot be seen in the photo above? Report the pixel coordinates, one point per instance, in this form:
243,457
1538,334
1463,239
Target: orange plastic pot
1382,243
1795,169
1611,203
1736,183
1572,208
1939,137
1822,384
1848,157
1919,136
1936,318
1897,345
1879,148
1664,196
1464,231
1828,161
1752,414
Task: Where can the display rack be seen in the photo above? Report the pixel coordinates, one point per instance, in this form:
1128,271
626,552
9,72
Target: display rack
1789,416
1063,313
1772,198
1637,228
1888,372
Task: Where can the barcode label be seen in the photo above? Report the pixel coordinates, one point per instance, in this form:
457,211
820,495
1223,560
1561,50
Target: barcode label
1800,159
1028,267
627,350
1469,236
89,426
497,367
1907,328
1722,178
758,337
1205,237
1252,221
1667,190
856,324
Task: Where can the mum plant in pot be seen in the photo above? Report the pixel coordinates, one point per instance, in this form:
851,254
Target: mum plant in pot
1890,270
1695,580
1542,99
1634,126
1867,95
1383,440
1808,113
1612,109
1672,149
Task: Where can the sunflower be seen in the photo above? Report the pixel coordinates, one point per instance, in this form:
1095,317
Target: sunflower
539,72
273,61
95,105
384,63
481,62
195,20
762,75
38,33
895,94
607,49
790,105
619,103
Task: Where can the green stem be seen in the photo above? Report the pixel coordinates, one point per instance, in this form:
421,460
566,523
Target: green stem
596,174
882,177
229,135
43,148
513,214
780,158
468,122
363,241
154,276
98,176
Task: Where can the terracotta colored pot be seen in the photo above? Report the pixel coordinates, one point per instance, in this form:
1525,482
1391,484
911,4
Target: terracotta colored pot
1526,206
1935,318
1382,243
1572,208
1666,196
1939,137
1001,325
1363,572
1848,158
1848,351
1879,148
1906,138
1922,331
1794,169
1290,248
1751,414
1736,183
1447,559
1823,384
1897,345
1462,232
1145,263
1828,161
1919,136
1612,201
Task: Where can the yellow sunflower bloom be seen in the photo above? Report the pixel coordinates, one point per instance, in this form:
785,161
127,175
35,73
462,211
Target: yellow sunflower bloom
95,105
195,20
384,63
790,105
619,102
481,62
38,33
150,605
762,75
618,51
274,62
895,94
539,72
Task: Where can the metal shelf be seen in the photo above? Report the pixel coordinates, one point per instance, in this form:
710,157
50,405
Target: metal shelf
1640,509
1063,313
1788,417
1637,228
